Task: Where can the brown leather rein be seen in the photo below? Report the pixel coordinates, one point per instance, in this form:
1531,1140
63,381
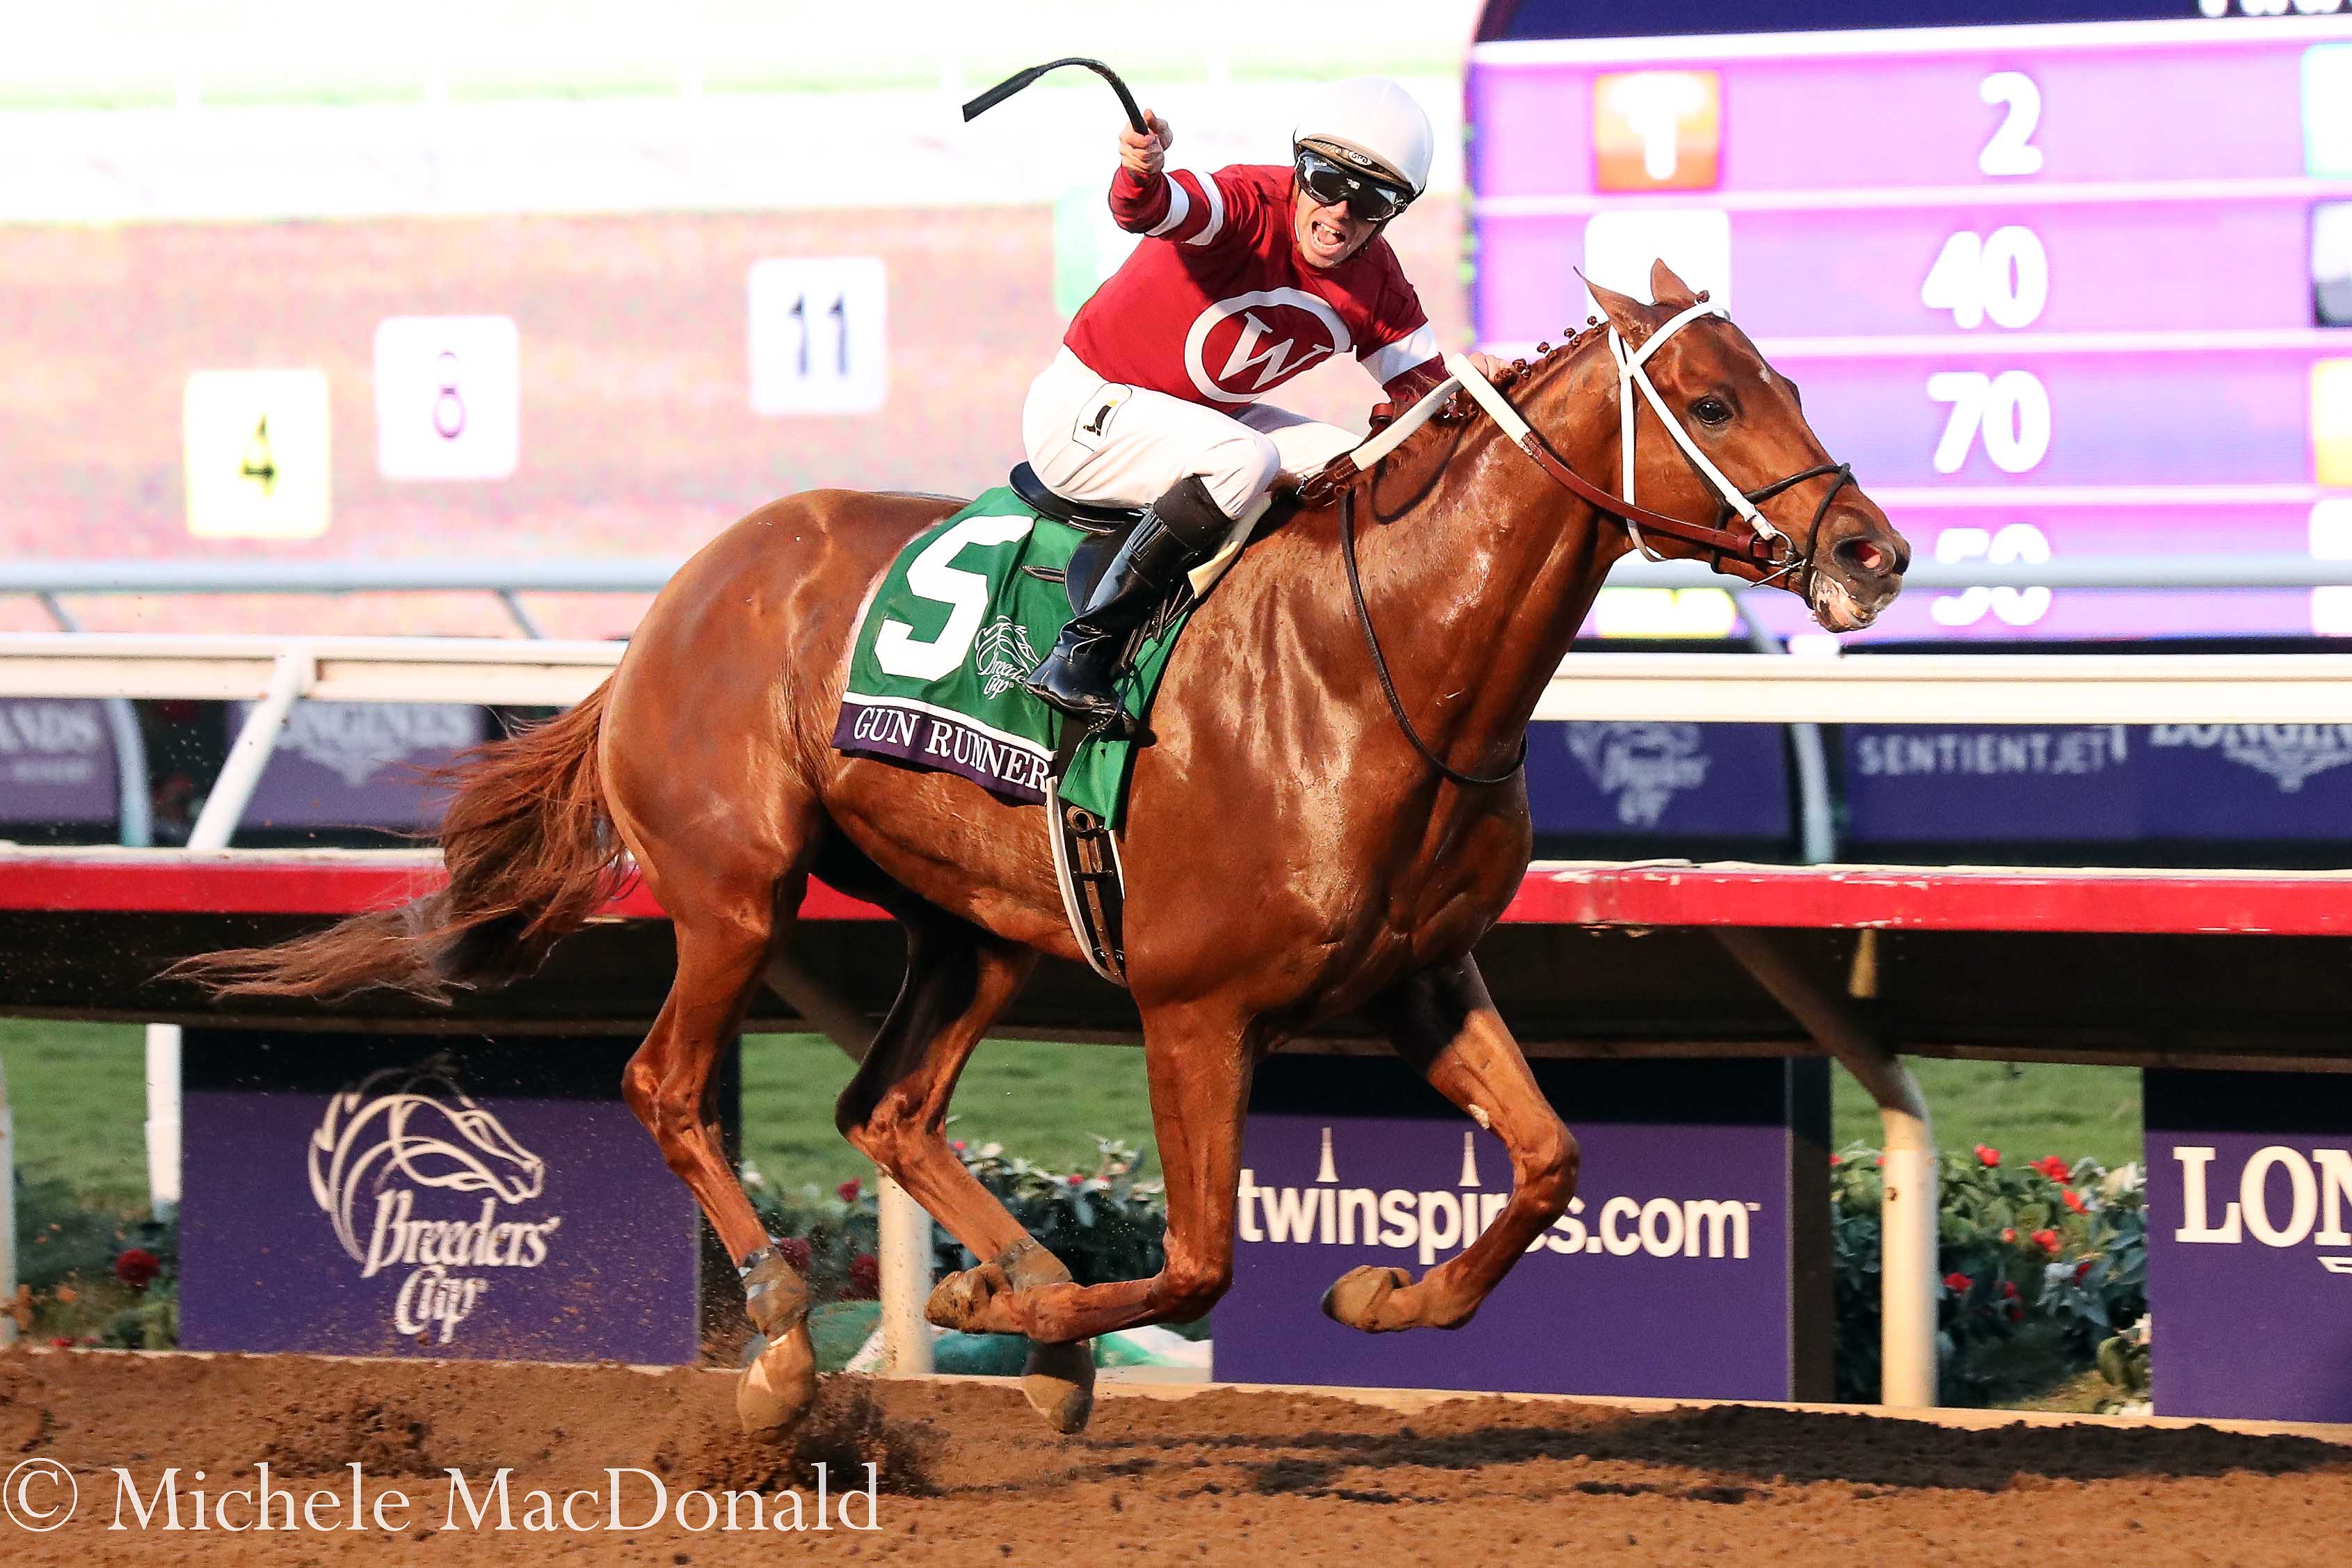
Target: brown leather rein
1758,557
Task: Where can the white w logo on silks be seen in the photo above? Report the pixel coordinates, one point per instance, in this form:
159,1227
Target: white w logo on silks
1245,352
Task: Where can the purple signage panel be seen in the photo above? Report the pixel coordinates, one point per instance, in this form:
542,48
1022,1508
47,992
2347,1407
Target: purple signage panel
1976,784
57,762
2249,1253
1596,779
357,764
358,1194
1693,1261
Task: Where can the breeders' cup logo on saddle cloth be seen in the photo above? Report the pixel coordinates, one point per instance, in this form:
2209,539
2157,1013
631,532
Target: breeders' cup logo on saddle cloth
1001,655
1643,766
1242,348
2289,753
385,1147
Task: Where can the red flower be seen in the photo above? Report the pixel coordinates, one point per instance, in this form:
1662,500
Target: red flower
1077,1179
957,1145
848,1190
865,1281
63,1343
2075,1201
137,1268
2009,1289
2083,1270
1957,1281
1989,1154
1835,1162
2009,1235
2047,1240
2051,1166
2017,1314
794,1250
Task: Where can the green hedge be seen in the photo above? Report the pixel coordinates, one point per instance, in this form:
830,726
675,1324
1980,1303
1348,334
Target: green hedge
2040,1264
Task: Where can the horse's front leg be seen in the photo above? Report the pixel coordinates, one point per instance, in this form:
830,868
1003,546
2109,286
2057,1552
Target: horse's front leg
1199,1061
1443,1022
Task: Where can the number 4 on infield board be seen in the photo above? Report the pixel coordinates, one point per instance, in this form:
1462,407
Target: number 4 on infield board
255,453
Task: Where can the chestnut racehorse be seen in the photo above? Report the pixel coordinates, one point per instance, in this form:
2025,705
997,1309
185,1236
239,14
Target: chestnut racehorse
1278,765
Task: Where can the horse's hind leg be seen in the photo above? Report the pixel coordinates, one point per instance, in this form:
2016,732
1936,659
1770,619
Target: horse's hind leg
1200,1060
1443,1022
958,979
725,931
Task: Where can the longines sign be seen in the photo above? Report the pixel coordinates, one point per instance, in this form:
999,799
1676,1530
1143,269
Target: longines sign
2250,1244
414,1196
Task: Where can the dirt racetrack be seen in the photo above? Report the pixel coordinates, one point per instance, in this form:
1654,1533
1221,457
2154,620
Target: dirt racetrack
969,1477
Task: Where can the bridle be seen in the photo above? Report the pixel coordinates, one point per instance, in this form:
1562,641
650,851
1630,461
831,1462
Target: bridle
1761,553
1757,552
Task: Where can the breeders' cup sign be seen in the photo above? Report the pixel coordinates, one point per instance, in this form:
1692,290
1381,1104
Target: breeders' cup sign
364,1196
1616,778
1677,1269
2250,1244
396,1134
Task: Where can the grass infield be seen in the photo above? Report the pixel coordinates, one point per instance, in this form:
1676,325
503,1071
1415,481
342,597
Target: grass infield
80,1098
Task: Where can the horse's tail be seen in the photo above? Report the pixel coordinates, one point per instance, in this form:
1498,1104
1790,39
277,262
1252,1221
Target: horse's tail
531,852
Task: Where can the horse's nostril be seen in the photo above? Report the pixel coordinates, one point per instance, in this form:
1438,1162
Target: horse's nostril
1862,555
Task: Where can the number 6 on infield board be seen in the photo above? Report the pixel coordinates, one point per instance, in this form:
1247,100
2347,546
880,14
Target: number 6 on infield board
934,574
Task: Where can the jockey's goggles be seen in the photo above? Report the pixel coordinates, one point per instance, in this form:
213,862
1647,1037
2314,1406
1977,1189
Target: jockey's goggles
1330,184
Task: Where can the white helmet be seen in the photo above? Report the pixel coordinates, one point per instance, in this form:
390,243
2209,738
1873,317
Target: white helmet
1371,122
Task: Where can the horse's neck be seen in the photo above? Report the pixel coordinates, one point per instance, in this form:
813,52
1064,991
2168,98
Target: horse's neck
1478,588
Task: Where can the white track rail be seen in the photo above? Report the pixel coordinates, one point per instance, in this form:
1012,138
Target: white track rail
2256,689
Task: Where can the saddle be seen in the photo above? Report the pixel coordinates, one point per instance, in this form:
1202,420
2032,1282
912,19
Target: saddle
1106,527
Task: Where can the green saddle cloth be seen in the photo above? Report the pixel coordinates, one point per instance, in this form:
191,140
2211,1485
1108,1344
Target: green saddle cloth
954,630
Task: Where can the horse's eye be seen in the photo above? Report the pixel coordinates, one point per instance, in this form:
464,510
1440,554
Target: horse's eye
1711,411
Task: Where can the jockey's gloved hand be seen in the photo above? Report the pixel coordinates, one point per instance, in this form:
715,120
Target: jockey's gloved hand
1143,156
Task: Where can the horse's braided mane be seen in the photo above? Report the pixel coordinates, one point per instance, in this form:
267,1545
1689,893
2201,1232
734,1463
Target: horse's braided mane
1326,483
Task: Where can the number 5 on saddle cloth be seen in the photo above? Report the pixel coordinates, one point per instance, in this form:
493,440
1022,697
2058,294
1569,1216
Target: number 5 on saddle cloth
964,614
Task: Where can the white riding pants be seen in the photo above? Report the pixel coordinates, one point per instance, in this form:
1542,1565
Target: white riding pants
1103,443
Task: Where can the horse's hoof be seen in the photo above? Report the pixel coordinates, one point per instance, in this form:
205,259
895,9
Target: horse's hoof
1360,1298
1059,1383
775,1393
957,1302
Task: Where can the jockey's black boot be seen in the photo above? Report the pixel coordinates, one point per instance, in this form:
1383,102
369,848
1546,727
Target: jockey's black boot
1180,528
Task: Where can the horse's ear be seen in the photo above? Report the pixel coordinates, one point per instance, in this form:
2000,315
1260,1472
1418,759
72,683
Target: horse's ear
1669,291
1631,318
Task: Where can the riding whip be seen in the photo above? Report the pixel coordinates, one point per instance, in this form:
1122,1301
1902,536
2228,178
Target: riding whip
1019,80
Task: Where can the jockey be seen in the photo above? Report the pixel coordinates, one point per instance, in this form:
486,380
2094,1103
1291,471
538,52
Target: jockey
1245,277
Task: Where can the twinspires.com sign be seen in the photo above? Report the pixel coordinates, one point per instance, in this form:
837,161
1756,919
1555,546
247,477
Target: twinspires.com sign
1694,1260
414,1195
2250,1244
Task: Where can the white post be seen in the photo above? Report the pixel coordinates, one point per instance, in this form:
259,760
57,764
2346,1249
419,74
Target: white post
903,1251
288,676
1907,1281
7,1213
163,1119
